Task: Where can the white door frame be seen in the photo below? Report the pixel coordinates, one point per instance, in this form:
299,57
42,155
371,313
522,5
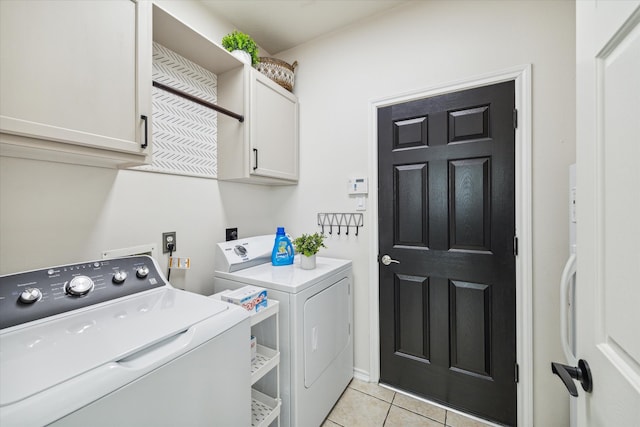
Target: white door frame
521,75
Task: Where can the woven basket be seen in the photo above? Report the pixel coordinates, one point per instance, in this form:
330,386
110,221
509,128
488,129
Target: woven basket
278,71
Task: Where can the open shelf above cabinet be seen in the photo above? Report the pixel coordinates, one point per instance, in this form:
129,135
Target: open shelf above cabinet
173,34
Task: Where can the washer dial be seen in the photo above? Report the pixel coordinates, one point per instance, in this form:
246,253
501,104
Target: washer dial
30,295
79,285
142,272
119,277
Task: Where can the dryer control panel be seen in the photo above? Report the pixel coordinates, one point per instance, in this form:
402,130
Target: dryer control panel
239,254
37,294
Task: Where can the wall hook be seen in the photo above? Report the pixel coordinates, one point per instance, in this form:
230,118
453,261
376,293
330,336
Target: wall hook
340,220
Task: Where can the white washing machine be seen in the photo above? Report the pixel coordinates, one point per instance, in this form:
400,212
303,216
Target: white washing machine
316,317
111,343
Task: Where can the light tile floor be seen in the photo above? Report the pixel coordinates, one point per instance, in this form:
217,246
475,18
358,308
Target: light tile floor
368,405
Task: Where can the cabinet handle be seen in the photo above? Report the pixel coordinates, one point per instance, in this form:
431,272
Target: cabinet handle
146,130
255,154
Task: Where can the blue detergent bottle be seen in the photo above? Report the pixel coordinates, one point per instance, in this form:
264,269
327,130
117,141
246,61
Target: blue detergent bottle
282,253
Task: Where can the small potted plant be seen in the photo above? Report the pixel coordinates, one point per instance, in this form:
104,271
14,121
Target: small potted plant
244,44
308,246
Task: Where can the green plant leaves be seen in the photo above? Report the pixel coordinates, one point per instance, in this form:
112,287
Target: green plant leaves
237,40
309,244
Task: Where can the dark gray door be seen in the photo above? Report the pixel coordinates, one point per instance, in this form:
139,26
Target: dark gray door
447,214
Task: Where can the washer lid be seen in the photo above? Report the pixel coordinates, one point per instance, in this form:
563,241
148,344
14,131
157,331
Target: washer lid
287,278
34,358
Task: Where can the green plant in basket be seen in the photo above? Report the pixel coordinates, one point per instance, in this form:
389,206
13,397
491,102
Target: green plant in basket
309,244
237,40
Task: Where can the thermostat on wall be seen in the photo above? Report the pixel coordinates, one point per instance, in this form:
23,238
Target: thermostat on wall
358,186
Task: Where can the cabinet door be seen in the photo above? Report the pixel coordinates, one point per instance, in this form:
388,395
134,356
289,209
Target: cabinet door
70,73
274,129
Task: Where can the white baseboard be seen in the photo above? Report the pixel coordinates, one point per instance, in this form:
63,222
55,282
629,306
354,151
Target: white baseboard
361,375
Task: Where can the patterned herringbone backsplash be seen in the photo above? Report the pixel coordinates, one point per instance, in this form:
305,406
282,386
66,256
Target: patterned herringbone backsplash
184,133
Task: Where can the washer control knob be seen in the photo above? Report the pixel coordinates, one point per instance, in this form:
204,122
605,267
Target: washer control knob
30,295
79,285
119,277
142,272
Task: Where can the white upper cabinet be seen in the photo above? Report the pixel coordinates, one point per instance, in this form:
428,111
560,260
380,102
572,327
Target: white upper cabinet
75,79
273,120
264,148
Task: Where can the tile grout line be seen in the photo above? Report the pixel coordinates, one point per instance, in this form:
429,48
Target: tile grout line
395,393
371,395
402,407
389,410
334,405
472,417
424,416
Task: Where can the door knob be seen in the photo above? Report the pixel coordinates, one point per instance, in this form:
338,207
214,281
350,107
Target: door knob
567,374
386,260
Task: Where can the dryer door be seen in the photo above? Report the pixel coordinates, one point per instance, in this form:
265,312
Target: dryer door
327,330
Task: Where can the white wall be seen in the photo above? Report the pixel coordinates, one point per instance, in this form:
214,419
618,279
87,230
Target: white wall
52,213
418,46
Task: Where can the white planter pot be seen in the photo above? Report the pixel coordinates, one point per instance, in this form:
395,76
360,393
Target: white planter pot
307,262
242,56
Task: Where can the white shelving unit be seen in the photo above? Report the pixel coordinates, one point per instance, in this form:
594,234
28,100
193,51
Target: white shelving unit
264,409
265,406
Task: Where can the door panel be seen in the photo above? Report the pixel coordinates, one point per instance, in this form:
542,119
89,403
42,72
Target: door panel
411,205
447,209
411,133
608,208
469,124
470,204
325,337
274,129
470,320
412,329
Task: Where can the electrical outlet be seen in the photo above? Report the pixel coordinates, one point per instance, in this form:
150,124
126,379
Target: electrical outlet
231,233
169,237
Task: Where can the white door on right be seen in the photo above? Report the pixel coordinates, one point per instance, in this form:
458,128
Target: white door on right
608,209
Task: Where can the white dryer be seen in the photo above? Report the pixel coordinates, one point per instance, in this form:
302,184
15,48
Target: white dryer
316,316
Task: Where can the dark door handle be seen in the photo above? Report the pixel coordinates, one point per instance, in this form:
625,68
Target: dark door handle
567,374
255,154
